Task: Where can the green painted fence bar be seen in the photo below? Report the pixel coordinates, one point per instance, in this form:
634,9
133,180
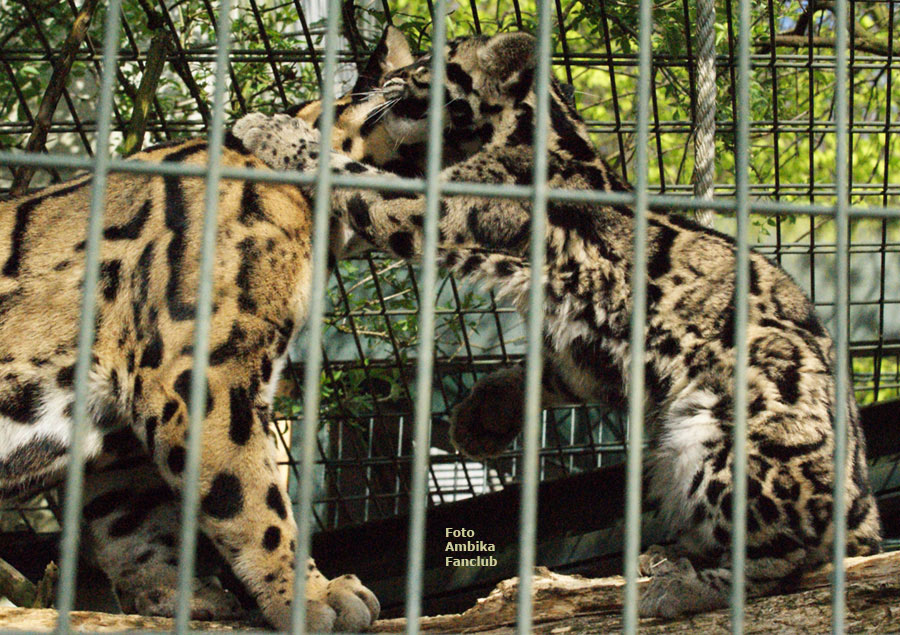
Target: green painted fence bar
638,326
74,488
428,296
841,336
400,184
741,293
197,405
311,378
534,327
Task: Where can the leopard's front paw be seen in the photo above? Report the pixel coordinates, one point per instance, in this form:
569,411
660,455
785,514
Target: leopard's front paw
343,606
489,418
281,141
656,560
209,601
679,591
355,606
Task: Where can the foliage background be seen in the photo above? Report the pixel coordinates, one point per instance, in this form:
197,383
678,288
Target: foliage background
792,102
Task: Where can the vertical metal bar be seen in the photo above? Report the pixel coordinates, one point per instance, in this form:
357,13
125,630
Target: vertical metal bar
611,71
810,151
638,324
885,181
310,47
741,294
311,388
534,326
75,475
197,405
776,126
425,361
842,362
564,41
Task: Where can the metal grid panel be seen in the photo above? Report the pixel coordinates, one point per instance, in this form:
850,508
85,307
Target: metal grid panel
872,190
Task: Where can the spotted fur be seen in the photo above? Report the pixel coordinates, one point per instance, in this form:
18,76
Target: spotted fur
689,359
140,372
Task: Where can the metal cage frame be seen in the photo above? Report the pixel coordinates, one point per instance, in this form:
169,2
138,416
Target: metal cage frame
641,199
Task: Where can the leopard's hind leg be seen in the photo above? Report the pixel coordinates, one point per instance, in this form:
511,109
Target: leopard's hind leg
689,479
244,506
132,524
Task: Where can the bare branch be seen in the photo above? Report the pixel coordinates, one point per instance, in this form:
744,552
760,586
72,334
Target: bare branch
798,38
143,99
352,35
55,86
45,591
864,43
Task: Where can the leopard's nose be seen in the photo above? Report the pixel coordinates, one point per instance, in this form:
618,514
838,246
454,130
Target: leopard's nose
394,88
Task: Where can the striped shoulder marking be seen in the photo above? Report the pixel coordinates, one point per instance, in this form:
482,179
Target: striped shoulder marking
23,215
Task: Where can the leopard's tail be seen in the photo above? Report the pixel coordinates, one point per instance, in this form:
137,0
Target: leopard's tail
508,275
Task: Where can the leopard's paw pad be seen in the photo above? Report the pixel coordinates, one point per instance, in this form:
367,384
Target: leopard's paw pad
487,420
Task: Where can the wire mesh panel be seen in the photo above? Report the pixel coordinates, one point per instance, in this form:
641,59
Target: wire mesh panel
805,119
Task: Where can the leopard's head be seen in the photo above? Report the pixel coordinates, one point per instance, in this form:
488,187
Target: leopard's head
487,79
360,129
383,119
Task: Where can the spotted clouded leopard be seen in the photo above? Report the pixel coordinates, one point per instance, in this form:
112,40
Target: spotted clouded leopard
689,361
142,359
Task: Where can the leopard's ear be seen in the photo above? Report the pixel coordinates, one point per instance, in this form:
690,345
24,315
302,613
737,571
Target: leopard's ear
568,93
397,52
509,58
392,52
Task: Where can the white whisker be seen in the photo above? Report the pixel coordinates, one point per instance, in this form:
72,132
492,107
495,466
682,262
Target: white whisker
400,141
379,112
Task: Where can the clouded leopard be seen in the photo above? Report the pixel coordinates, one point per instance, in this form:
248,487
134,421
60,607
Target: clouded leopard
689,359
142,360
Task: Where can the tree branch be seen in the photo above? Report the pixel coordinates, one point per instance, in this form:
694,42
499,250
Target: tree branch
143,99
352,35
805,17
15,586
45,592
798,38
179,64
55,86
863,43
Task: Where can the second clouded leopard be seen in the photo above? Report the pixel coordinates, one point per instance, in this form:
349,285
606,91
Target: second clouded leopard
689,360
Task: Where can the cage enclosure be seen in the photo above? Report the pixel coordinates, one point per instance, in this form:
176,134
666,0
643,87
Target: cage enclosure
49,87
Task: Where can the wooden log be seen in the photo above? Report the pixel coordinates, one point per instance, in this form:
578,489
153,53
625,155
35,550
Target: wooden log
16,619
572,604
14,586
